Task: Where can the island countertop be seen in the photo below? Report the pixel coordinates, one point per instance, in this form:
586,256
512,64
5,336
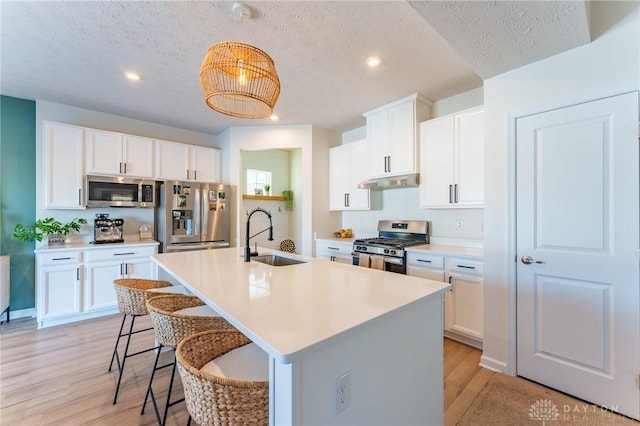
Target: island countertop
291,310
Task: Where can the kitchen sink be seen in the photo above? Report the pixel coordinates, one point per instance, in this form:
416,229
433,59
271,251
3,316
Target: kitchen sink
276,260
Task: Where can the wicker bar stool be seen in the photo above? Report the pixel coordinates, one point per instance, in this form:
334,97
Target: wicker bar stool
176,317
132,293
225,378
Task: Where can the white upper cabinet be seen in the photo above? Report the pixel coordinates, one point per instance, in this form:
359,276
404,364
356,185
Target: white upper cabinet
117,154
393,134
348,166
177,161
63,158
452,160
206,164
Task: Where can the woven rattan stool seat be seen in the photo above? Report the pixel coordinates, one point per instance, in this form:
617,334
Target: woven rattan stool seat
171,326
132,294
213,400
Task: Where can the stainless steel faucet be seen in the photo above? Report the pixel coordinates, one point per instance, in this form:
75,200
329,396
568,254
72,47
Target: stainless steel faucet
247,248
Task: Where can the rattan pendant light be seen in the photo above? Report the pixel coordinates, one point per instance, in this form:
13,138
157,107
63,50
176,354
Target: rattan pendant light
239,80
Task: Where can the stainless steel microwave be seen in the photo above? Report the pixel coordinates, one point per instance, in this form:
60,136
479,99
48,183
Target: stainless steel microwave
117,191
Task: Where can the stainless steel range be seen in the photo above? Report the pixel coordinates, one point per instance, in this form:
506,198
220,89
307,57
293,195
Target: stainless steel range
389,246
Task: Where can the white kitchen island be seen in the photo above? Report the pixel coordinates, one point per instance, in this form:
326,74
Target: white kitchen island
319,320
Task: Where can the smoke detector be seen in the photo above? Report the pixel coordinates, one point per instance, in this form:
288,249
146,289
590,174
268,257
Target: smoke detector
241,10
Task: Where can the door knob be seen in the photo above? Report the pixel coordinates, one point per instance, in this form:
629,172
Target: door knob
528,260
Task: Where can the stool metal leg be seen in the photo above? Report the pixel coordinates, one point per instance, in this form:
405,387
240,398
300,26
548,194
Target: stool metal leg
124,358
120,361
169,403
115,348
149,388
150,392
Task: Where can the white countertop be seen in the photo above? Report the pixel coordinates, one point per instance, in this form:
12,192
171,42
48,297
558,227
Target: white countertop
476,253
443,249
290,310
90,246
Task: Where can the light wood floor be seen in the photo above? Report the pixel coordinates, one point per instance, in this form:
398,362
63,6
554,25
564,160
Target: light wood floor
58,376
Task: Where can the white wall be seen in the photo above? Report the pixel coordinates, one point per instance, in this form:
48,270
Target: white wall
402,203
607,66
278,162
309,187
50,111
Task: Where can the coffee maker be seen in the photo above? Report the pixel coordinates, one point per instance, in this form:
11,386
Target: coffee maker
107,230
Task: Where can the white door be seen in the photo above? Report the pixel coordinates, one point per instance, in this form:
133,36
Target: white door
578,299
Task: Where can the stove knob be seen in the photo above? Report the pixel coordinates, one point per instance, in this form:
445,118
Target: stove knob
386,251
393,252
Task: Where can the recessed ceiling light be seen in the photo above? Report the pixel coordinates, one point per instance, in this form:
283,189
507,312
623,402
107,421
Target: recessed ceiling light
373,61
274,117
133,76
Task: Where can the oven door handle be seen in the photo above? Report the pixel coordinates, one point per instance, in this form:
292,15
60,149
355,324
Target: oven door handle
394,260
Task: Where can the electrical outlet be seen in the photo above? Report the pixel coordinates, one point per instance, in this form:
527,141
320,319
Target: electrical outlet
459,224
342,393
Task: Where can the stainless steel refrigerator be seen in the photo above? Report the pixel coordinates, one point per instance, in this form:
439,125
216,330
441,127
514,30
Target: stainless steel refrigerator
193,216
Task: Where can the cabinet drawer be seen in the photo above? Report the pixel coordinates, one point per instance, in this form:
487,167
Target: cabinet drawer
60,257
334,247
119,253
464,266
425,260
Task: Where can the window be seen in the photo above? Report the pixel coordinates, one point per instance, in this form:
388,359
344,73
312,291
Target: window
256,180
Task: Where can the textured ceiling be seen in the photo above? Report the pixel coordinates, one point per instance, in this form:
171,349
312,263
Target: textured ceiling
75,53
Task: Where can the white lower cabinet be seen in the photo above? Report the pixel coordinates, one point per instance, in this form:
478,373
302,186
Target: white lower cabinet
335,251
78,284
59,286
464,303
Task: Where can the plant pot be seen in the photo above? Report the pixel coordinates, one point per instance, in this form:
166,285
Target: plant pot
56,239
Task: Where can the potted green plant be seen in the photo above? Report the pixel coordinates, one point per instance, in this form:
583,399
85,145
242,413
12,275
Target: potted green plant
267,189
55,231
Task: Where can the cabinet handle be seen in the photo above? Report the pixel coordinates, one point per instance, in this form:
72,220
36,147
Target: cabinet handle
348,200
120,171
125,168
80,196
345,199
423,260
333,248
195,175
77,274
466,266
455,193
187,174
389,164
123,254
450,280
61,258
121,274
333,258
450,194
126,268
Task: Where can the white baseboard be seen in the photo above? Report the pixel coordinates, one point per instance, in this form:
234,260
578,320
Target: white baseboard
20,313
476,343
493,364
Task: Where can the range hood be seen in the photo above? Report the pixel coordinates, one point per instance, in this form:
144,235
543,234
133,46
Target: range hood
402,181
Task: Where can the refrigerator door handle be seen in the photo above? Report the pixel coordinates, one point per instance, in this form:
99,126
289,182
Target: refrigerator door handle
197,213
204,194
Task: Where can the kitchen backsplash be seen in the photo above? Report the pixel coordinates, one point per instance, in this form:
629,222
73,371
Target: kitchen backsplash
403,204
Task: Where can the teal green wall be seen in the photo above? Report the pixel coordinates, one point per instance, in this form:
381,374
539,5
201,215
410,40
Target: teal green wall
18,193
